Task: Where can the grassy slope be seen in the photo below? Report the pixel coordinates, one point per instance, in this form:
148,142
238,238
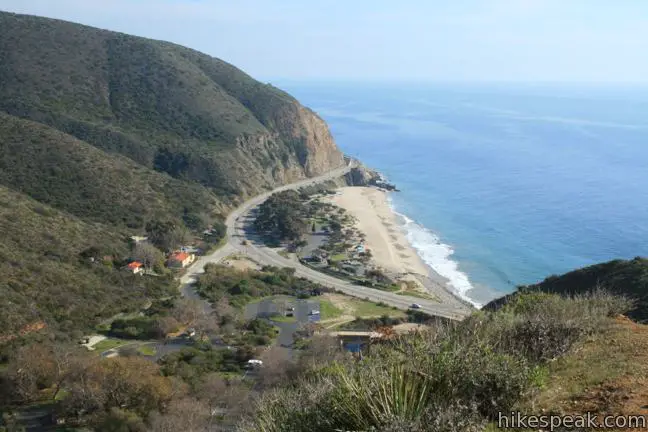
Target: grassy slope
625,277
71,175
606,374
43,277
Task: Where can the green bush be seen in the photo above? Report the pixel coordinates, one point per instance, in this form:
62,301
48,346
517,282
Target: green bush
458,376
135,328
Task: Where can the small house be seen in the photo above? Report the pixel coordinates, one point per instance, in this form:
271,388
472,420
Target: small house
180,259
135,267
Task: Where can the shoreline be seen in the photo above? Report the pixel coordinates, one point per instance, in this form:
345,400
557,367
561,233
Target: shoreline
387,240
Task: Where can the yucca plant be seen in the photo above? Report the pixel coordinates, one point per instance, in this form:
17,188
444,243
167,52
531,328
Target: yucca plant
372,395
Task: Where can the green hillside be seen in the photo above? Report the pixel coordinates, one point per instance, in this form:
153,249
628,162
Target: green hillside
165,107
71,175
624,277
103,134
46,276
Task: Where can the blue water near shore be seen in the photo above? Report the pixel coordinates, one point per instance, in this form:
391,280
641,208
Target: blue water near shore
502,185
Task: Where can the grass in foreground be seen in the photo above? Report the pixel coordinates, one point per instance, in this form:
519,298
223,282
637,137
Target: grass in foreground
367,309
328,310
283,319
607,371
147,350
417,294
109,343
338,257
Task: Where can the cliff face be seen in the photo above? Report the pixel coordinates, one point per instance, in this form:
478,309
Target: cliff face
321,151
360,176
168,108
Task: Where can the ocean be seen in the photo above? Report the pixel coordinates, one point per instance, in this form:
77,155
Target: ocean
501,185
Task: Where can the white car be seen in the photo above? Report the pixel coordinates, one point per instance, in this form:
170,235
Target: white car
252,364
415,306
314,312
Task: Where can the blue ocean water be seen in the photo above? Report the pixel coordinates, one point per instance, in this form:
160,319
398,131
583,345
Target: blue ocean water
502,185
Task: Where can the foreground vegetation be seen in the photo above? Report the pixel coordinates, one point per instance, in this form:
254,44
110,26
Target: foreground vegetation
540,349
456,377
624,277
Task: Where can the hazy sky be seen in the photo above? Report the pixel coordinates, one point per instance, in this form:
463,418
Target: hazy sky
431,40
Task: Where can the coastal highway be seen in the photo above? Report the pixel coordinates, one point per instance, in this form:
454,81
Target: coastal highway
238,223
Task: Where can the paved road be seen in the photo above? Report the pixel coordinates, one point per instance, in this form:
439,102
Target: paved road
239,220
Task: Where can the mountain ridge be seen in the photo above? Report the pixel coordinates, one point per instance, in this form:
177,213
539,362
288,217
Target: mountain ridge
148,99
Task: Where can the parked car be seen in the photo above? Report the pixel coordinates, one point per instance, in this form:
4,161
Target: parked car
314,312
416,306
252,364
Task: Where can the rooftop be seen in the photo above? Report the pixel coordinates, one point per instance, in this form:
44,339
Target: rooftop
179,256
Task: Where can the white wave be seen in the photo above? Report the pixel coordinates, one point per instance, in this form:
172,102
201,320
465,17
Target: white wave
437,255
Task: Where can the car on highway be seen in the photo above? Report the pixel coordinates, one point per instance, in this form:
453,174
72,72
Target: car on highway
415,306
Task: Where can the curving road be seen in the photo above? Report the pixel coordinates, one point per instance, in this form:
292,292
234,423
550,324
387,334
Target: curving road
237,223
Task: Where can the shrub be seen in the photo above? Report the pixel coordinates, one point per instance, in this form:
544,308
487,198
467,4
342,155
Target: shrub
458,376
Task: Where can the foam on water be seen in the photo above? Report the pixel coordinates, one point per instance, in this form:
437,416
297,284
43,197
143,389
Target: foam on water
436,255
514,183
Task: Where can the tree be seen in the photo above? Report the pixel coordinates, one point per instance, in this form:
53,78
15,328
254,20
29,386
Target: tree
276,367
132,383
29,371
322,350
39,366
66,359
212,391
119,420
167,235
179,236
186,311
224,309
158,232
301,243
186,414
148,255
196,314
165,325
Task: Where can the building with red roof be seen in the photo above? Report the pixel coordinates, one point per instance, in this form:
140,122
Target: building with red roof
180,259
135,267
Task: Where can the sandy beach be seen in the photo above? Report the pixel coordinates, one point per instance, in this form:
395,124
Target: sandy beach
387,242
385,239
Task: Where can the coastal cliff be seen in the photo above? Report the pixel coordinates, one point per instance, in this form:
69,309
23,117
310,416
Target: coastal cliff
168,108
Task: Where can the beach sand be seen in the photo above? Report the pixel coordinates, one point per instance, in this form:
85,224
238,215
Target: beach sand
384,238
